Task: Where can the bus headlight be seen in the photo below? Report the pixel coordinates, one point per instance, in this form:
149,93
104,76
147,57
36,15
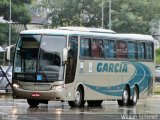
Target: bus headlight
55,87
16,85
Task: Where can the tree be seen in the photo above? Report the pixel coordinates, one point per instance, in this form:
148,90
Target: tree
72,12
134,16
4,35
131,16
19,15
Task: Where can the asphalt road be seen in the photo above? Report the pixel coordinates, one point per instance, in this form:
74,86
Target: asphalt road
11,109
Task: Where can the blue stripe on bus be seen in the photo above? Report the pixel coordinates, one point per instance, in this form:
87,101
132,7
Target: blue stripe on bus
142,77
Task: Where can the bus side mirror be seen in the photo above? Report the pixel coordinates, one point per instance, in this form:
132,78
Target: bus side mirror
65,53
9,52
8,58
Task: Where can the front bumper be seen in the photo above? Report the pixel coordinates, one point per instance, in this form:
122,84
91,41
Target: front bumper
57,95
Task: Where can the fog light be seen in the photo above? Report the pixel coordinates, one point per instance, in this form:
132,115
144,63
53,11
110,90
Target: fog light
16,85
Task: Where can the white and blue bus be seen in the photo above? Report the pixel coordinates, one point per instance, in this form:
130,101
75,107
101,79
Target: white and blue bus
77,64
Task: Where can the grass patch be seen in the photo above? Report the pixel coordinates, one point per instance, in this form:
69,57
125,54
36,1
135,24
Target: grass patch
156,90
158,59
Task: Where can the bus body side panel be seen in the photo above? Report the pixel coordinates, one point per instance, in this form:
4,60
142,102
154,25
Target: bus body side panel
107,79
97,81
70,91
146,86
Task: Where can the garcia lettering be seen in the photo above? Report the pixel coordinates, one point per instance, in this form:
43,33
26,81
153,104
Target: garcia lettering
112,67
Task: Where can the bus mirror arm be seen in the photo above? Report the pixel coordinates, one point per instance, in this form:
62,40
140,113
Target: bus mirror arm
65,54
65,63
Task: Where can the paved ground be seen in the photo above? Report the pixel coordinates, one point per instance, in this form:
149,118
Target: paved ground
11,109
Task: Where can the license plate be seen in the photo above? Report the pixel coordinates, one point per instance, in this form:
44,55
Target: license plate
35,94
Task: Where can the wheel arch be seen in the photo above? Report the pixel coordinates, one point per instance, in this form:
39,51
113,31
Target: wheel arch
136,85
132,89
82,88
128,87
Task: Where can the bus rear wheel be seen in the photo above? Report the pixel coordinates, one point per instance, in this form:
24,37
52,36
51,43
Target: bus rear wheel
134,99
32,103
95,102
79,99
125,97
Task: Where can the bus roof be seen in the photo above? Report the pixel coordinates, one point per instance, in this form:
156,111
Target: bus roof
87,29
116,36
68,30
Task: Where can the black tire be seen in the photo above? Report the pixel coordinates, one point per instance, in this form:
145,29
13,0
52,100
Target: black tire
79,99
125,97
32,103
8,88
134,99
95,102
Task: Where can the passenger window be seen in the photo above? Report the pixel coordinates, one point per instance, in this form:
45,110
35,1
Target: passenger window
122,49
85,49
141,50
97,48
110,51
149,51
131,50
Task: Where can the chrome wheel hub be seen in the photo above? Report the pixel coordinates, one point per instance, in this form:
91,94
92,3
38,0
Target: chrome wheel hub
125,96
134,96
77,97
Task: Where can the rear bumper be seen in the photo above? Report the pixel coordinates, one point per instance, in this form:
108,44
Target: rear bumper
57,95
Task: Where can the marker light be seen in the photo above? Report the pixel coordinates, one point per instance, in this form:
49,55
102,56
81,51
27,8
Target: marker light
16,85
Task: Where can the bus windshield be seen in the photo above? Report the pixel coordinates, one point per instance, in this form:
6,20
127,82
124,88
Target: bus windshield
38,55
50,57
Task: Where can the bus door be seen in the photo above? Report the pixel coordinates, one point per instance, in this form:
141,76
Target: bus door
72,60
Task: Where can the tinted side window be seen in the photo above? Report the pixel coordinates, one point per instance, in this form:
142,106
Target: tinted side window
97,48
85,47
141,50
122,49
109,49
131,50
73,44
149,51
72,60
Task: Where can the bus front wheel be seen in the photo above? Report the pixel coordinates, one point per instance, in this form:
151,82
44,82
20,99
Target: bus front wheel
33,103
79,99
125,97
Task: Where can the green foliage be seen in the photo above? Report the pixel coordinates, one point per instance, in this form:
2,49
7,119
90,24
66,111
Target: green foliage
158,52
21,15
134,16
22,1
129,16
19,12
4,33
158,56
